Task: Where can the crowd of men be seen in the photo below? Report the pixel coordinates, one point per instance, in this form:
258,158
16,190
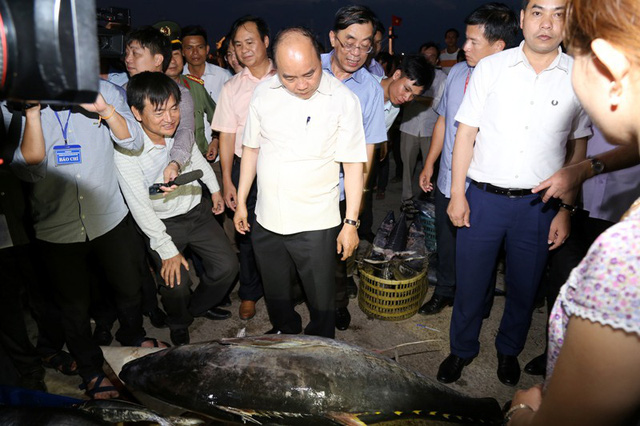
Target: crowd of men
128,193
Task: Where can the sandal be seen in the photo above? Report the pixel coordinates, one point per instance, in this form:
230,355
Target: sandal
97,387
156,342
61,361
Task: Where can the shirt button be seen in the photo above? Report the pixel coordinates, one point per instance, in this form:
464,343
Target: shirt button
83,216
2,193
82,198
525,127
531,102
517,176
77,176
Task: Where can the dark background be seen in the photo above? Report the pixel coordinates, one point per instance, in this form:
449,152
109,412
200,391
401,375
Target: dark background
422,20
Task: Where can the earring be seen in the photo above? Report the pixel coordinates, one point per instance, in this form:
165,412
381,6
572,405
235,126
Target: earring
614,94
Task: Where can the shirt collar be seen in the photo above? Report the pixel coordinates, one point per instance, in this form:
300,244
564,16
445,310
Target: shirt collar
326,65
561,61
247,73
324,87
150,146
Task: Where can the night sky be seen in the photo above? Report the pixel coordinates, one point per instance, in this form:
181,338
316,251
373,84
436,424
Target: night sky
422,20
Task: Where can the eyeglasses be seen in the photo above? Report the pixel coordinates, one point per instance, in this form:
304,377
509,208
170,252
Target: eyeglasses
351,47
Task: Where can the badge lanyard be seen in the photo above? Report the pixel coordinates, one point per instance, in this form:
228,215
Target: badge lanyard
65,128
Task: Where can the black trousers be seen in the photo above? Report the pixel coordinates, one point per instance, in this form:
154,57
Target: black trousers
250,280
342,300
198,230
68,267
21,357
312,256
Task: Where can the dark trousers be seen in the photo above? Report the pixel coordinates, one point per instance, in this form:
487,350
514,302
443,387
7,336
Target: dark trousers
14,338
69,269
446,241
250,282
522,223
198,230
312,256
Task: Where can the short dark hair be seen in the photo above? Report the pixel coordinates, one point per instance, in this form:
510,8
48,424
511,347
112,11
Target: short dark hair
452,30
194,31
354,14
154,86
428,45
305,32
261,24
498,20
416,68
154,40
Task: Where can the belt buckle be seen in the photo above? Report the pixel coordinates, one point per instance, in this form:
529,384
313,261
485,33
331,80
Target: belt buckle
509,194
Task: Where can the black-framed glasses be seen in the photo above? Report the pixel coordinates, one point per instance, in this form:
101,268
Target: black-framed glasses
351,47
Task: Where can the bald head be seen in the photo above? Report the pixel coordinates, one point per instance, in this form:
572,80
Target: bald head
298,61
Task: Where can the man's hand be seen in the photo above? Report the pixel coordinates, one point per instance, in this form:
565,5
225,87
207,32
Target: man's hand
425,178
561,182
384,150
240,220
458,211
218,203
560,228
347,241
230,195
99,106
170,270
170,173
212,151
531,397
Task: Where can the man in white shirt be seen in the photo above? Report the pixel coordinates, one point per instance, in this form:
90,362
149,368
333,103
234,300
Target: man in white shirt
179,219
303,123
519,122
195,50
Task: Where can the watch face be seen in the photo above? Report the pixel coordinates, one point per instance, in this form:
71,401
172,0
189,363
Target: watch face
597,166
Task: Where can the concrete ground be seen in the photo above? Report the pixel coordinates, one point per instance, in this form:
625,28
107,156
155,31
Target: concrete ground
422,341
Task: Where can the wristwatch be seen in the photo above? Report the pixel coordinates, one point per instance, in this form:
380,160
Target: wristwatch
596,165
355,223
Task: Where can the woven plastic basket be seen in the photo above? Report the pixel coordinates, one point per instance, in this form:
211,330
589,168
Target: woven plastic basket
429,228
391,300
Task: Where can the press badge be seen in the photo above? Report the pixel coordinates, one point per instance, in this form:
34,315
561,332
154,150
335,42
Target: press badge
67,154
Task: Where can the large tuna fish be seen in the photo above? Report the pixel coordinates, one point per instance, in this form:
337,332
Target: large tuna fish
284,379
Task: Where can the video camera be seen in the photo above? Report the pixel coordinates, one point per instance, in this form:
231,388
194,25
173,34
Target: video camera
48,51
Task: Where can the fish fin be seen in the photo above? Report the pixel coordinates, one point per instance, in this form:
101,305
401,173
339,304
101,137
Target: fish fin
246,415
345,419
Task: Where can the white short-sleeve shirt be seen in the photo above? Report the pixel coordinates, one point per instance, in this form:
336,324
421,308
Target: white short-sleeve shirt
302,143
524,119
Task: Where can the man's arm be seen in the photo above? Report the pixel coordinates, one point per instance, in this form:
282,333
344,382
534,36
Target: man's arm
435,149
227,148
109,114
458,209
573,175
132,185
32,146
348,240
184,137
208,178
247,175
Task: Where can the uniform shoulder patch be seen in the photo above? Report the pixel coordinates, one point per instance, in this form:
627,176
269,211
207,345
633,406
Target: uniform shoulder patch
194,78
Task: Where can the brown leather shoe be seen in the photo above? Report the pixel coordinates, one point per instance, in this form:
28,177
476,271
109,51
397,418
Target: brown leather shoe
247,309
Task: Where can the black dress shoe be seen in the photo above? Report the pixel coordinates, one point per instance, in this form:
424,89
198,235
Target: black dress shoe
537,366
157,318
343,318
216,314
451,368
102,335
508,369
274,331
435,305
180,336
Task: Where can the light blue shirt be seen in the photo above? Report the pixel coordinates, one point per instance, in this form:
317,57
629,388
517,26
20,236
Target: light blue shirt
448,107
75,202
369,93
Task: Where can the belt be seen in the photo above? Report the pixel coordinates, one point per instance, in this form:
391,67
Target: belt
509,192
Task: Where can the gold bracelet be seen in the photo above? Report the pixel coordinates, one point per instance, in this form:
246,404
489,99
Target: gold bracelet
107,117
512,410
